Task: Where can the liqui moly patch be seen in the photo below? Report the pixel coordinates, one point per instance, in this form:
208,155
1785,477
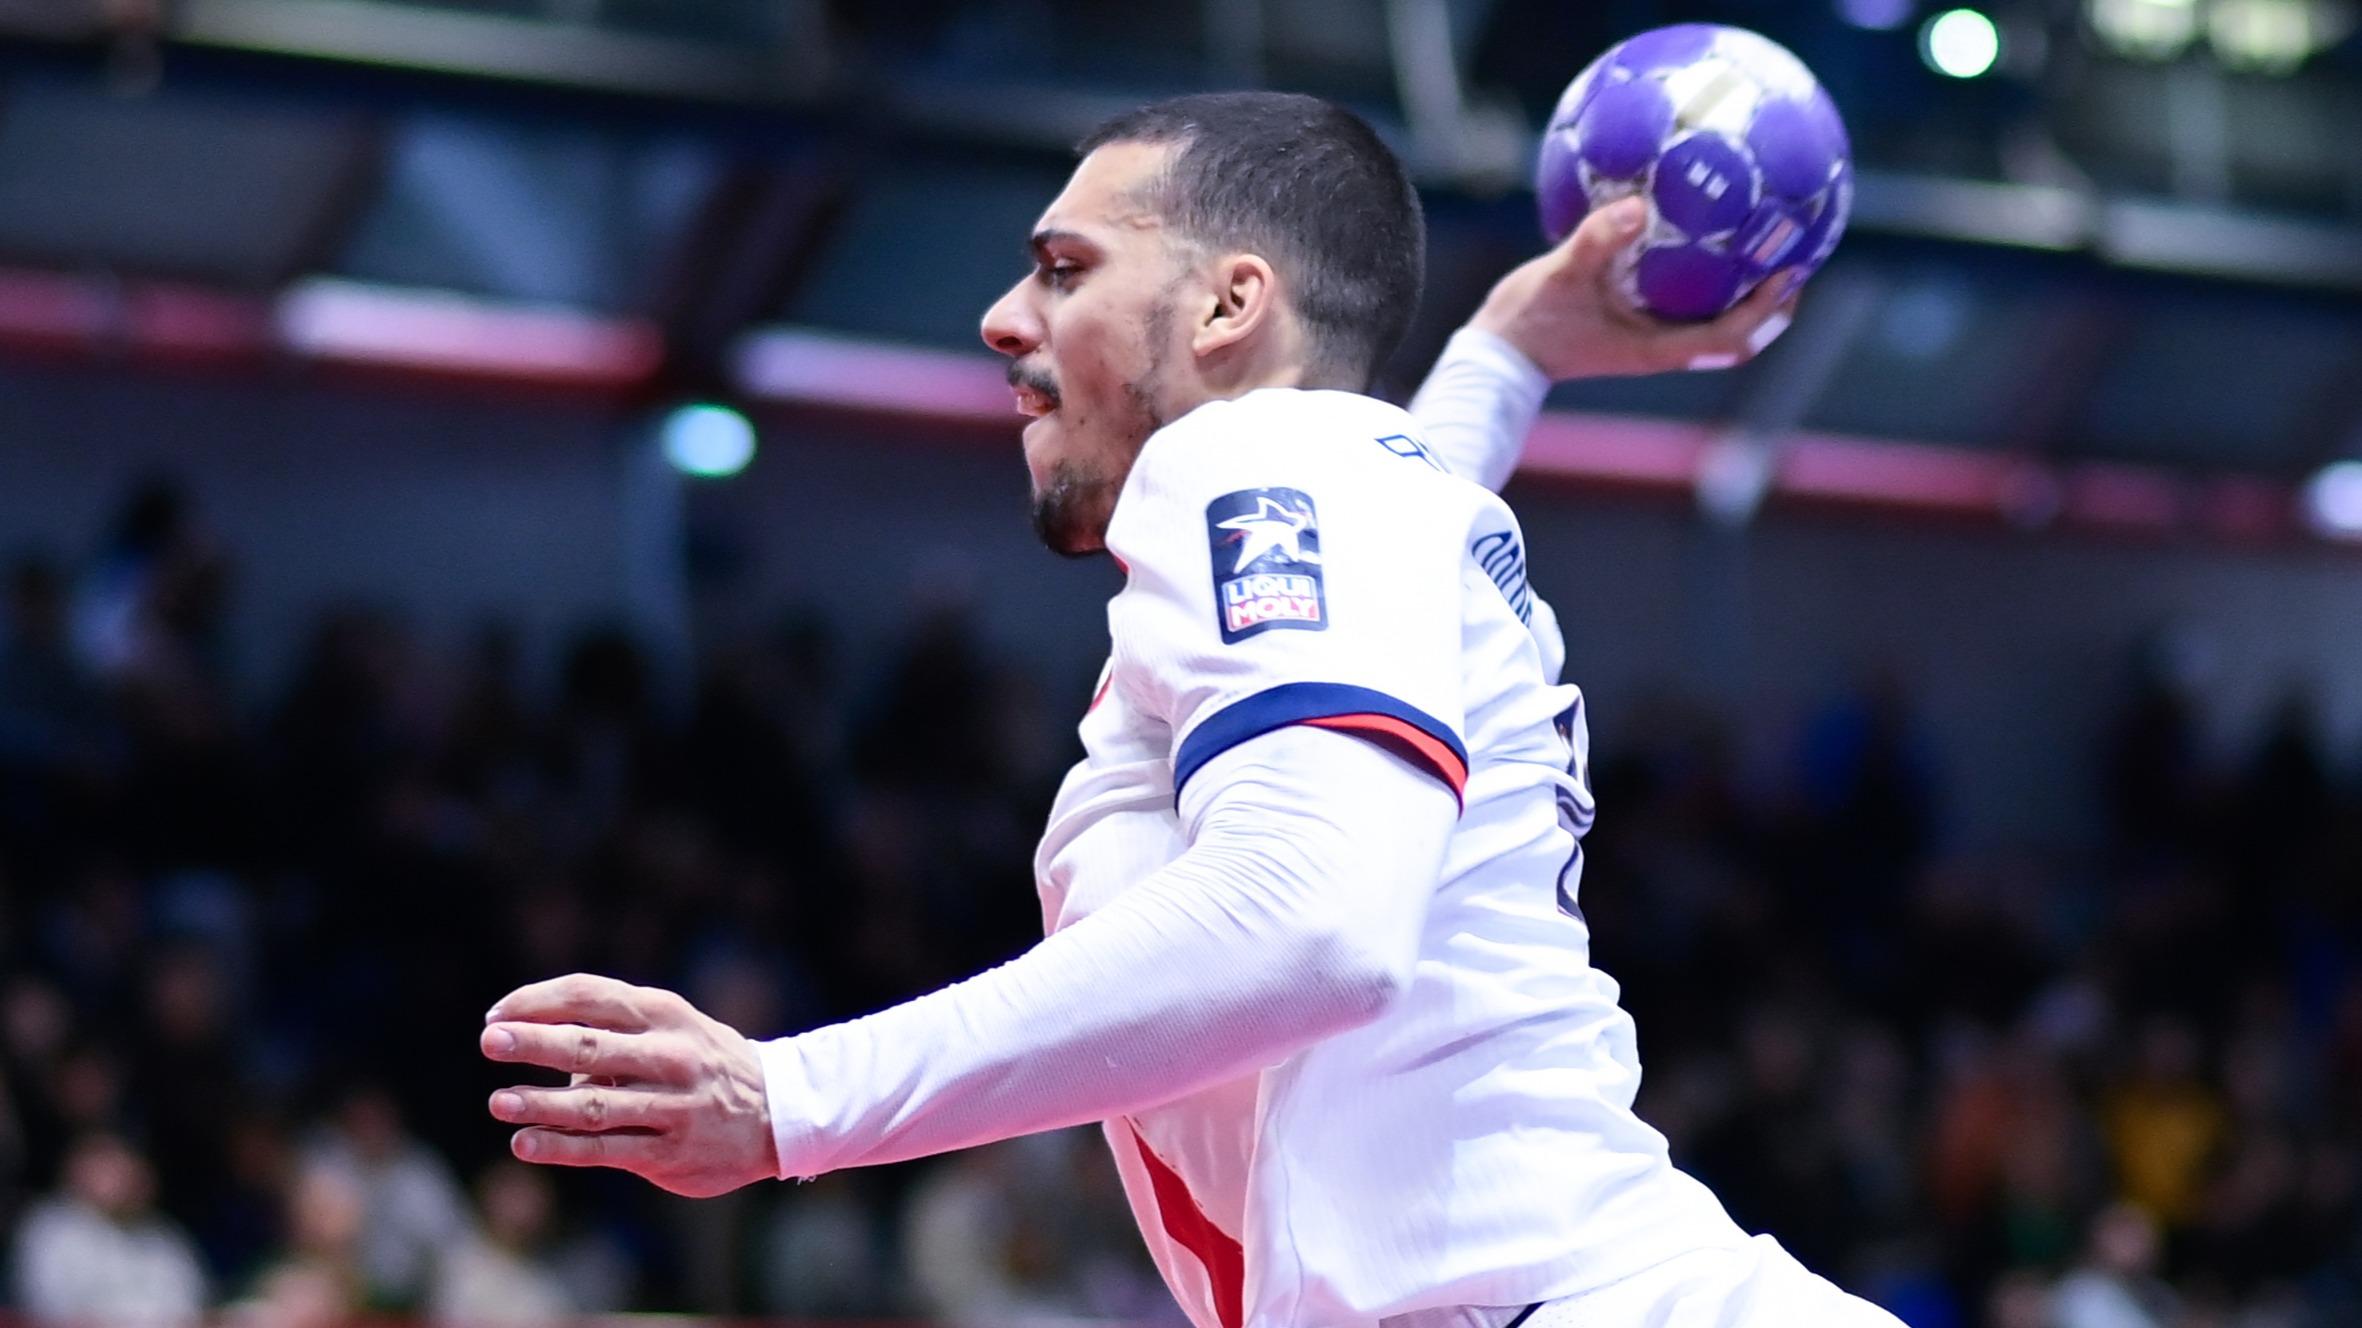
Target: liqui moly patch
1266,548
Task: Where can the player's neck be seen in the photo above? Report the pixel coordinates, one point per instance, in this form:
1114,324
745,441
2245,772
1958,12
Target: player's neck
1288,374
1283,356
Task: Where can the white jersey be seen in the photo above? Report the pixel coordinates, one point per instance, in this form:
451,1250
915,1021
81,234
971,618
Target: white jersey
1300,557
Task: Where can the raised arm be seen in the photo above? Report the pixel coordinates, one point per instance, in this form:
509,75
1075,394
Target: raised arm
1559,317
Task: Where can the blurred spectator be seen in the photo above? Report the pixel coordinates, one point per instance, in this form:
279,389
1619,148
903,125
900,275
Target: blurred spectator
1869,784
243,1224
1922,1070
2156,782
2020,1300
411,1210
318,1281
1799,1189
45,701
185,1053
502,1275
2164,1124
35,1024
98,1251
149,626
84,1091
984,1240
2289,799
820,1256
124,623
2116,1285
2006,1162
1028,1228
342,729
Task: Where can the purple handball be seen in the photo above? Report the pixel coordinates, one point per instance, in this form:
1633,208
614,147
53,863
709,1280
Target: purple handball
1623,127
1705,185
1563,210
1742,157
1686,280
1820,238
1663,48
1796,144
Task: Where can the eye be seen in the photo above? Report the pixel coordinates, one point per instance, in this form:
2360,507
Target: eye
1061,274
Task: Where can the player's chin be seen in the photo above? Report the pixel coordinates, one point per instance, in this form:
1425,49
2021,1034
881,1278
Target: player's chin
1062,533
1066,516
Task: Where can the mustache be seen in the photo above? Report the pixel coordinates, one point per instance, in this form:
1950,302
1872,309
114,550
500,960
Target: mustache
1034,379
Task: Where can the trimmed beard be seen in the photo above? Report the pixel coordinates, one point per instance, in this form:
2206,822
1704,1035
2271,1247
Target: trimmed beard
1071,513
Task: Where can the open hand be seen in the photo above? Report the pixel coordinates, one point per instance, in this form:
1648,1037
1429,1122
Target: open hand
659,1089
1564,311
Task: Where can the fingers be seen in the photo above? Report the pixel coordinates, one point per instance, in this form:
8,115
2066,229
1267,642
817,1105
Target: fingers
1741,333
631,1152
577,1050
586,1109
1773,296
1768,331
1606,232
581,998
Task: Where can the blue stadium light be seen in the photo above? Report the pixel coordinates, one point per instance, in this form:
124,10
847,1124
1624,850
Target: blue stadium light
1960,43
708,441
2333,500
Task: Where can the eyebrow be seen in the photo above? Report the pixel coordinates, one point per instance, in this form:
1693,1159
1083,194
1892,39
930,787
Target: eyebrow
1037,248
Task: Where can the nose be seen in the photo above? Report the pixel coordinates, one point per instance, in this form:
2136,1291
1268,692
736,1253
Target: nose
1011,326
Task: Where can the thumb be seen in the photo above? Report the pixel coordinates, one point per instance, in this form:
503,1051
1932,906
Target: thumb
1604,234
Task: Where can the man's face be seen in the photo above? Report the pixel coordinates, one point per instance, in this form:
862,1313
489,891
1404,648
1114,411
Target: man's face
1091,338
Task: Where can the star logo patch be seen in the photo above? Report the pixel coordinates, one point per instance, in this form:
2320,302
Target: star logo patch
1266,562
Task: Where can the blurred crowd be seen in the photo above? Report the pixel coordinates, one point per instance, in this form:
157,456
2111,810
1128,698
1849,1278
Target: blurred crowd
2111,1088
245,948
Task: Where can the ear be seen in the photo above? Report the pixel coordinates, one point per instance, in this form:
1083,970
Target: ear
1246,298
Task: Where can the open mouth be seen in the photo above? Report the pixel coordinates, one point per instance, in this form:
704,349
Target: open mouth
1036,394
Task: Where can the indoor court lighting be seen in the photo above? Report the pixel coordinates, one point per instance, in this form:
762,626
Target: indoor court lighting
1734,477
2333,500
2145,29
708,441
2272,36
1960,43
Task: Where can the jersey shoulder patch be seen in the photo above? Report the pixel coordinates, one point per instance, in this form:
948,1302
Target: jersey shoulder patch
1266,561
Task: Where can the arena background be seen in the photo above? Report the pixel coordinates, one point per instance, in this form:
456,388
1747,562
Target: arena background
1976,678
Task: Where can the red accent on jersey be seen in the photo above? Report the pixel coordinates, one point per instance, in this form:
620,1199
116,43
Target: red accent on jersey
1409,739
1224,1259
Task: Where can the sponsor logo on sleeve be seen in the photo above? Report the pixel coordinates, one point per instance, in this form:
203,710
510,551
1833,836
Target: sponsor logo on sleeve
1266,547
1403,445
1503,559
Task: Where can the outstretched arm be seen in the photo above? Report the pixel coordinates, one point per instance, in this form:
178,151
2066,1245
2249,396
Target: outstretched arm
1560,317
1294,915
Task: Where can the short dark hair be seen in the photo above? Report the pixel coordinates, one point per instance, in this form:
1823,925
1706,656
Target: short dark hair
1310,186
